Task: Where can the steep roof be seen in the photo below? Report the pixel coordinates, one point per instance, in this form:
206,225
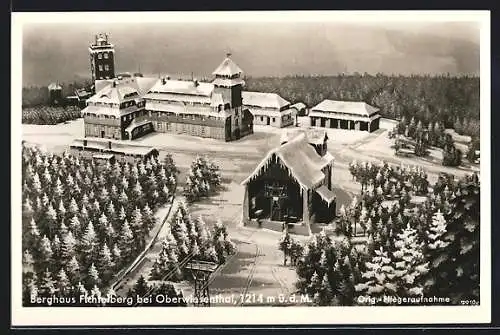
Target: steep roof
301,160
348,107
227,68
263,100
115,94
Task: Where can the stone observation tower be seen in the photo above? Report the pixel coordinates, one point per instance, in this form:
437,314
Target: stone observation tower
102,60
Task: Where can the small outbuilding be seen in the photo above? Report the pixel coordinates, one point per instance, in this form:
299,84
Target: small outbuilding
352,115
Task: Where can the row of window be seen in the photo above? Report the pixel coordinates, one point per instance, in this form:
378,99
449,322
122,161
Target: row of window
106,67
104,54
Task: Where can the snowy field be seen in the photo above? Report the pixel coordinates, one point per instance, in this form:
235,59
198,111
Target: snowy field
337,136
53,137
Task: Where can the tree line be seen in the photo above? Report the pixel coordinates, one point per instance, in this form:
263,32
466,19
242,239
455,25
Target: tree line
429,98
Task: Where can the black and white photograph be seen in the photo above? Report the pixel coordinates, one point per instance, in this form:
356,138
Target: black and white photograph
217,167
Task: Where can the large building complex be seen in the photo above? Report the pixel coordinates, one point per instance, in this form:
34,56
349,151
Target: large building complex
269,109
345,115
292,184
213,110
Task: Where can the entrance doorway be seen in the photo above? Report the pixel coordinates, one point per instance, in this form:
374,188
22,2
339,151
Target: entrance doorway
275,209
268,121
102,133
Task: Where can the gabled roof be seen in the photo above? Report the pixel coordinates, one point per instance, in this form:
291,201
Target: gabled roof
115,94
263,100
227,68
300,159
349,107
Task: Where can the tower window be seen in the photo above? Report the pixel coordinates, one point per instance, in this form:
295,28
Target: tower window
99,56
105,55
106,67
100,67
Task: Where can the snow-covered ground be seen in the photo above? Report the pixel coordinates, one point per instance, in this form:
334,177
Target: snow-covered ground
53,137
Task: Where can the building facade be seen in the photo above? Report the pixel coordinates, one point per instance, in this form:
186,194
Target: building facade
345,115
102,58
212,110
292,185
269,109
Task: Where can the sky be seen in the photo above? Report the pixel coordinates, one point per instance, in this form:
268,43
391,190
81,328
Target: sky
59,52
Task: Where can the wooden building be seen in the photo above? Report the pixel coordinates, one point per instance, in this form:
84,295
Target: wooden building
115,105
190,107
292,185
269,109
345,115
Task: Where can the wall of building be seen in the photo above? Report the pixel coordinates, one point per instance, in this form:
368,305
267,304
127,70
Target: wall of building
217,132
334,123
95,130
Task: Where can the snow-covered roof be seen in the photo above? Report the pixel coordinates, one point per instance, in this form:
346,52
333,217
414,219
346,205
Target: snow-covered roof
326,194
299,106
301,160
263,100
224,82
54,86
227,68
345,107
141,84
118,92
183,87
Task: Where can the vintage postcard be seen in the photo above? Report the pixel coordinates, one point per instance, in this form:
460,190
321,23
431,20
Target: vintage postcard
209,168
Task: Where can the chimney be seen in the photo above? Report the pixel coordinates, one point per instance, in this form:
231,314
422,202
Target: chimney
163,81
114,83
228,55
196,83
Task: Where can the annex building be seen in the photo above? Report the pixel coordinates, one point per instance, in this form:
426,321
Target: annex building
292,185
269,109
345,115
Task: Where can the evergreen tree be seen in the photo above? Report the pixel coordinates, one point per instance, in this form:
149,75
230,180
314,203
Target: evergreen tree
410,265
63,284
141,287
47,287
378,277
93,276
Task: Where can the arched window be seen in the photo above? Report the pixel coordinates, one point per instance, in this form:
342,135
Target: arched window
105,55
99,56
